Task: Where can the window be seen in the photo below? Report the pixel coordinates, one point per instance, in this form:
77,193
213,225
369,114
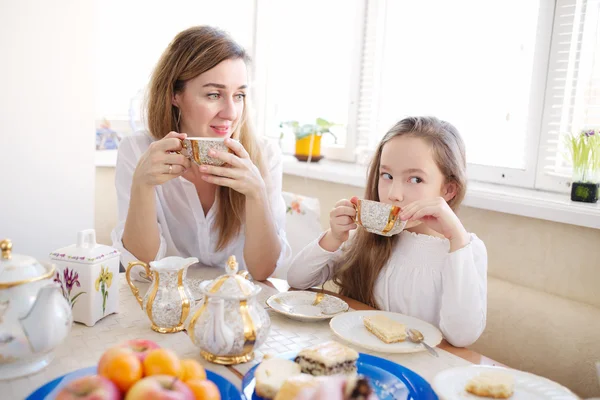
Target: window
512,76
309,53
572,88
487,80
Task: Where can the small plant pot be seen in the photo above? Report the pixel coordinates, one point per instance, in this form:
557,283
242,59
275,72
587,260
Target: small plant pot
309,148
584,192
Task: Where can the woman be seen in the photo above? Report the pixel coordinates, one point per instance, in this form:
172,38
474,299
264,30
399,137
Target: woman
170,206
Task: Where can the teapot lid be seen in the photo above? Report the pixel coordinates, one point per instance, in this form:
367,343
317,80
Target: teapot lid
16,269
85,251
232,284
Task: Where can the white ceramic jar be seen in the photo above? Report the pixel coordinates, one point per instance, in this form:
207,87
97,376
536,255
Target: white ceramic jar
88,273
34,317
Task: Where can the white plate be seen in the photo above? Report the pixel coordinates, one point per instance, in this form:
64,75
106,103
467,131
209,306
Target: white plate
298,305
351,328
450,384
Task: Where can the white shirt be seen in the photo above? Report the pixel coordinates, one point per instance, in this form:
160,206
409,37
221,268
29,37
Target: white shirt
184,229
421,279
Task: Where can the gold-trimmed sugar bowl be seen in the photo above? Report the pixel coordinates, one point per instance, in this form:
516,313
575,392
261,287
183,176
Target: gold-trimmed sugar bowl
229,323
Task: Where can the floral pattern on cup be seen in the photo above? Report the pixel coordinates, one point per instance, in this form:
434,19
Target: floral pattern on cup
103,282
69,280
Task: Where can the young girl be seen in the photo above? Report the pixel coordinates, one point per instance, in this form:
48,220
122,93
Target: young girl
434,270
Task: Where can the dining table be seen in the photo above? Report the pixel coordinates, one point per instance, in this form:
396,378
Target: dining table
84,345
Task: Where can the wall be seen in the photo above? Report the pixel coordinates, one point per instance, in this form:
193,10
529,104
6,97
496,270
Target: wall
46,123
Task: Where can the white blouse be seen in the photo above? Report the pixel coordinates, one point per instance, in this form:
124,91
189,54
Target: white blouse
184,229
421,279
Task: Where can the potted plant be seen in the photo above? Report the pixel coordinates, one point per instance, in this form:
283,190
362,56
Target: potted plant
584,153
308,138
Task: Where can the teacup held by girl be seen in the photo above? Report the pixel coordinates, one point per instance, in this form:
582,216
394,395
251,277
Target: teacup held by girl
196,149
379,218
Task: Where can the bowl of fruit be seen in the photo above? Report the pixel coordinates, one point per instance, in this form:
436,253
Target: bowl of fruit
139,369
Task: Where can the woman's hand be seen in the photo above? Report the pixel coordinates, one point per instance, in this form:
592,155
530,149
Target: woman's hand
437,215
239,173
160,163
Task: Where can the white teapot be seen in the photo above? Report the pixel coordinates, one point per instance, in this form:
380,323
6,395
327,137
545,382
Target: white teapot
229,324
34,315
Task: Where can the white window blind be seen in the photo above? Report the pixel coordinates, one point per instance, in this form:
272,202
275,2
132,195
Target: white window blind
131,35
573,87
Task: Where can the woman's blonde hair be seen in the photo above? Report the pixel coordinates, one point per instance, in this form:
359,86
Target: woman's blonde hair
191,53
367,253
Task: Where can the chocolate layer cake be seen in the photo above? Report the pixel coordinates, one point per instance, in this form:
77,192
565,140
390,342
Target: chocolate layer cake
329,358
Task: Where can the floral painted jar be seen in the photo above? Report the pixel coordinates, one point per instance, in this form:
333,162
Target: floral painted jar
88,273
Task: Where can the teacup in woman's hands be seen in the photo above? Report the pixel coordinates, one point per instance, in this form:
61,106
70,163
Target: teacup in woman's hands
197,148
379,218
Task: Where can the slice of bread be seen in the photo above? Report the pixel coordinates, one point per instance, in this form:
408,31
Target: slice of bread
497,385
387,330
295,384
271,374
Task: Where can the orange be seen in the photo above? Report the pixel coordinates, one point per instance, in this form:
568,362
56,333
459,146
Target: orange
192,370
204,389
121,366
162,362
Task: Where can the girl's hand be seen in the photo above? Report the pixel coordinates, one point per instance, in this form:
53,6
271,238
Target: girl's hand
240,173
341,220
438,215
160,163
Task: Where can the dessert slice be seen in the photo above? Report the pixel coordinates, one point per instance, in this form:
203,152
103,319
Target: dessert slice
329,358
271,374
492,384
294,385
387,330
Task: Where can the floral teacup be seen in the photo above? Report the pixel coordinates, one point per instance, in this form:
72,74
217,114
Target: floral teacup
379,218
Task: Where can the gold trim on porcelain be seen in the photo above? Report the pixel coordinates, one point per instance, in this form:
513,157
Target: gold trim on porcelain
192,326
185,301
49,274
227,360
134,289
249,328
392,219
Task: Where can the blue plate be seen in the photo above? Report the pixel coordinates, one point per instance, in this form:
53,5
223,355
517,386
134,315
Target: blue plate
390,381
51,389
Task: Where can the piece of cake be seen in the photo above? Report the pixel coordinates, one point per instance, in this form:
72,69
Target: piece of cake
329,358
271,374
387,330
497,385
294,385
358,388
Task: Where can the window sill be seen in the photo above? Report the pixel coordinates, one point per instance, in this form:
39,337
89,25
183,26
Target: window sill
106,158
511,200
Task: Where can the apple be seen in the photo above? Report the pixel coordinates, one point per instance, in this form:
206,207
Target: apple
159,387
141,347
91,387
